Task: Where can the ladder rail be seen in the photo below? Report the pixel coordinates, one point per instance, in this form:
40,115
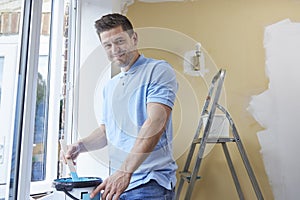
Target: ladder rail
243,154
221,74
233,172
213,94
192,148
220,78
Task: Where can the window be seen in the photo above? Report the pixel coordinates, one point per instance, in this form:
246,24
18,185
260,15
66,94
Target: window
38,68
30,80
48,97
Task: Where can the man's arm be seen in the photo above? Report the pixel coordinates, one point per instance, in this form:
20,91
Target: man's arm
148,137
96,140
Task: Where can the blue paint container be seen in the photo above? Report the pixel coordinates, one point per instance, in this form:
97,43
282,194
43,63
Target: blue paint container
78,189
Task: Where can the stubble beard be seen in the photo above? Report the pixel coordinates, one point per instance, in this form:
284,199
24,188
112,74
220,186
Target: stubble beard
120,64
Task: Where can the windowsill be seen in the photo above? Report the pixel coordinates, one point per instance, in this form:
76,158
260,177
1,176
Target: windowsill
43,190
38,189
41,187
41,195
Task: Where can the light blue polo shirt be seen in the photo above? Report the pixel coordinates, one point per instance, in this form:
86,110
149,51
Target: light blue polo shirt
125,99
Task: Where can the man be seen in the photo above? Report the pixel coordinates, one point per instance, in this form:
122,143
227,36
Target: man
136,120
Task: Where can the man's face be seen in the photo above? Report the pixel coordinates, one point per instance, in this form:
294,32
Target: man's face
119,46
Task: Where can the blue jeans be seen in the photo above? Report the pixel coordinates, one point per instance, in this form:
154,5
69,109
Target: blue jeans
151,190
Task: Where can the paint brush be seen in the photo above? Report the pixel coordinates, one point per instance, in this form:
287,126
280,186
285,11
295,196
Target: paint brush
70,163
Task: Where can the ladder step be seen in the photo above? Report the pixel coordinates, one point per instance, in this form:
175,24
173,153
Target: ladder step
215,140
187,176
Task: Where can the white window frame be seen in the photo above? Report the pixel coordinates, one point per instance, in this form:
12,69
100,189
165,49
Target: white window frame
56,65
8,50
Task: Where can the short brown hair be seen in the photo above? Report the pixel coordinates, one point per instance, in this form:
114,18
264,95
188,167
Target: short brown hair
114,20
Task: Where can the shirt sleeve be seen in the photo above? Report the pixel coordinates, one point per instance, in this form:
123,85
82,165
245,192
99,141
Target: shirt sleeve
163,85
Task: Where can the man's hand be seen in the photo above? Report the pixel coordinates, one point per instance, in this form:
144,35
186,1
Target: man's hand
113,186
72,152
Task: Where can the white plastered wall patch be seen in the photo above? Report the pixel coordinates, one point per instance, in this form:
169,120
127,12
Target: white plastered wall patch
278,109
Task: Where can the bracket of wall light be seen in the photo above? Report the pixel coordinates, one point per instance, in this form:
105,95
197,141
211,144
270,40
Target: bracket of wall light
194,62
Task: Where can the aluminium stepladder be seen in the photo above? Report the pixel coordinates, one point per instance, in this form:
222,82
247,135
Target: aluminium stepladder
209,108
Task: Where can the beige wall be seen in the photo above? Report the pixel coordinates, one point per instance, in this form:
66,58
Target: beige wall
232,33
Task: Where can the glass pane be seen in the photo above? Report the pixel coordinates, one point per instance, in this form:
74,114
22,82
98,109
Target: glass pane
41,113
40,127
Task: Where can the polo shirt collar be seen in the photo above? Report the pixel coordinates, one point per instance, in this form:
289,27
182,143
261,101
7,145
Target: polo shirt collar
140,61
